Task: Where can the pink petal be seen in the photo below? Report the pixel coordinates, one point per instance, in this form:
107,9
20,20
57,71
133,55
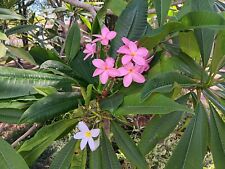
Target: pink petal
142,52
86,51
96,40
95,132
113,72
126,59
127,80
139,60
132,46
79,135
111,35
91,144
98,72
104,31
123,71
139,78
96,35
126,41
83,143
99,63
82,126
124,50
110,61
105,42
87,56
104,77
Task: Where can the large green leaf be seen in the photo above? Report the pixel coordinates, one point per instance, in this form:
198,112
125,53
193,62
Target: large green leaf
10,115
128,147
162,7
72,45
34,147
3,36
218,58
50,106
21,29
192,20
6,14
18,82
95,161
165,82
64,156
156,104
109,159
217,138
191,149
9,158
112,103
79,158
21,53
131,24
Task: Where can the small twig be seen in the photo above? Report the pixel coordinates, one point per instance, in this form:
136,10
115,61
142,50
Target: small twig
29,132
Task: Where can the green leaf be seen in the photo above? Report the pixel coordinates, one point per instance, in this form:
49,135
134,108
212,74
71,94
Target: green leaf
3,50
112,103
21,53
72,45
21,29
217,101
218,58
64,156
159,128
10,115
41,55
86,22
95,161
156,104
128,147
59,66
131,24
109,159
164,83
9,158
6,14
79,158
34,147
50,106
19,82
189,45
217,138
191,149
162,7
3,36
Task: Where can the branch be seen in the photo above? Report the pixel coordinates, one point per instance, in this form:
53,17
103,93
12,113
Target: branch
29,132
83,5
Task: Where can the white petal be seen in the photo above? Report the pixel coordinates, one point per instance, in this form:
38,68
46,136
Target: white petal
91,144
82,126
83,143
95,132
79,135
97,143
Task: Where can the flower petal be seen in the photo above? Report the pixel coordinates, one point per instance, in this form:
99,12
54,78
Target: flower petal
123,50
123,71
87,56
126,41
91,144
132,46
96,40
127,80
110,62
142,52
98,72
104,31
97,143
104,77
139,78
111,35
99,63
82,127
79,135
126,59
83,143
113,72
104,42
139,60
95,132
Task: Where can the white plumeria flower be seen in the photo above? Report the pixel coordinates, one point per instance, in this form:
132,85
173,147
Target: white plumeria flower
86,136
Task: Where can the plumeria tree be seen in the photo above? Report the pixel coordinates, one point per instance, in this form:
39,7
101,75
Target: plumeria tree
168,70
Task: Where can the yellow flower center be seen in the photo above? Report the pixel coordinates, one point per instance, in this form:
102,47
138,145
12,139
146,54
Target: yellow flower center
106,68
133,54
87,134
130,70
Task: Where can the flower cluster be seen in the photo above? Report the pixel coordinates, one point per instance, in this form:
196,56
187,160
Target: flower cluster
134,61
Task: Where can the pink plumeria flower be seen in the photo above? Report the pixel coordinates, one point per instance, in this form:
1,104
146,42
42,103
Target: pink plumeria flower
87,136
146,66
105,37
90,50
132,52
131,73
105,69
